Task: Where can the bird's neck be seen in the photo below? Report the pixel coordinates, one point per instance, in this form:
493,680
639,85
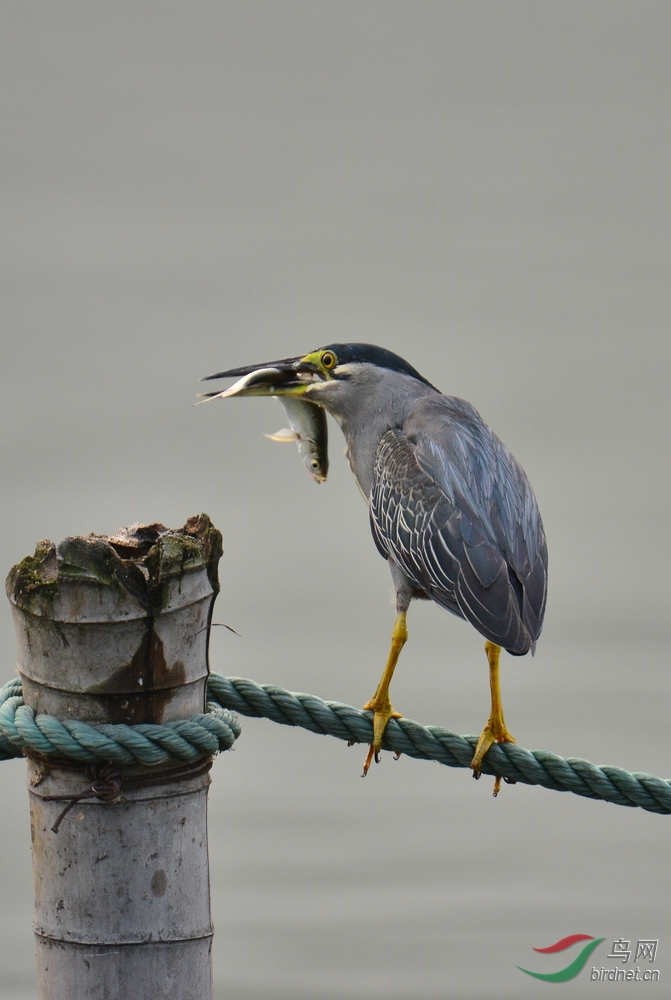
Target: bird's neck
365,412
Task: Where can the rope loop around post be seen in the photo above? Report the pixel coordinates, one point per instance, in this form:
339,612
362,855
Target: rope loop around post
203,735
185,740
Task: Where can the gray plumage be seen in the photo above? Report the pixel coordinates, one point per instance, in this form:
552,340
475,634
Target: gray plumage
450,507
453,509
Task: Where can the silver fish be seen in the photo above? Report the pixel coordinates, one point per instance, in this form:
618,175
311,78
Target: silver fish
309,431
263,376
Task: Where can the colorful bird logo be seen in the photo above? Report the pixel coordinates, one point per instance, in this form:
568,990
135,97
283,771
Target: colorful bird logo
576,966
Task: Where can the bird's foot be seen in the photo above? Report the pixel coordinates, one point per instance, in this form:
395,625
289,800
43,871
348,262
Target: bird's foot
495,731
383,713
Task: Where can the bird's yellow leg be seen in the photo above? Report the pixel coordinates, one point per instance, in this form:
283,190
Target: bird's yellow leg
495,730
380,703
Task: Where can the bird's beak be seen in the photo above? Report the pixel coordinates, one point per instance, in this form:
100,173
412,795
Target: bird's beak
287,377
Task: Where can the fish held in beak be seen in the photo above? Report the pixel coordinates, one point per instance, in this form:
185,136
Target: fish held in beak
310,432
259,382
288,381
289,377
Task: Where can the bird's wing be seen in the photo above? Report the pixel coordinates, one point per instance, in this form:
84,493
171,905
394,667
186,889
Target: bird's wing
452,507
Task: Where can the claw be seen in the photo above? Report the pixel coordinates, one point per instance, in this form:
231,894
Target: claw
373,755
492,733
383,713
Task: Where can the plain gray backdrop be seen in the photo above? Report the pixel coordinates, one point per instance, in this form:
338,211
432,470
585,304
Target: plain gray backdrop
483,188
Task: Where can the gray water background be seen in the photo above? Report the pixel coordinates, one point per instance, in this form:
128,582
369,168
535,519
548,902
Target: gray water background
482,188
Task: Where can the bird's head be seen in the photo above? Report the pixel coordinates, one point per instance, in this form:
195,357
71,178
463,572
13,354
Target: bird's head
323,376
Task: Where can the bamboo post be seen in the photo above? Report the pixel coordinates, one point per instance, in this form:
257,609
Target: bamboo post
115,630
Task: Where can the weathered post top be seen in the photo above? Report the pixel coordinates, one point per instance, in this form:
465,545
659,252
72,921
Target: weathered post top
116,629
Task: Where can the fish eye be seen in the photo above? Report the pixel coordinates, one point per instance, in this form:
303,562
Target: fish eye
314,463
329,360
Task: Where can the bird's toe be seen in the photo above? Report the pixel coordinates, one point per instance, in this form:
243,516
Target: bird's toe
382,713
495,731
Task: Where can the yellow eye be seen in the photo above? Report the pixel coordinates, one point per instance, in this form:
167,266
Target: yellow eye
329,360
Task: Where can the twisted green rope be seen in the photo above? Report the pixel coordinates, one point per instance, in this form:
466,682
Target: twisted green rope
186,740
532,767
203,735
